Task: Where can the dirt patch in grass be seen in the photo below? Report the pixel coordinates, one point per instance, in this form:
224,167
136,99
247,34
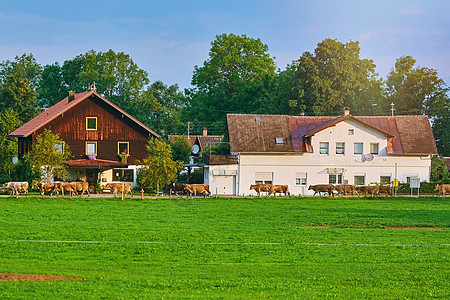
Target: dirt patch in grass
34,277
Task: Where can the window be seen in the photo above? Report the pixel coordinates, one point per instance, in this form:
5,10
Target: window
263,178
126,175
91,123
360,179
351,131
59,147
123,148
279,140
385,179
91,148
358,148
373,148
300,178
323,148
340,148
335,178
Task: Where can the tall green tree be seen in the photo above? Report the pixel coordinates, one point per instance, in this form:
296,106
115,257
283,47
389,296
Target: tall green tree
48,155
333,77
230,80
414,90
158,168
52,87
181,150
164,113
116,76
420,90
9,120
18,83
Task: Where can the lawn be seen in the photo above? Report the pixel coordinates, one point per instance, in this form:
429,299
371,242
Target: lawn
227,247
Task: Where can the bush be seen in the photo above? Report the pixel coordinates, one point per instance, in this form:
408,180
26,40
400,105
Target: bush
425,187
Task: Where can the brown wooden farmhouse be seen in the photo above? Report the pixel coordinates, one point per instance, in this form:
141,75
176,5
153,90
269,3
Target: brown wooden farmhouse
104,140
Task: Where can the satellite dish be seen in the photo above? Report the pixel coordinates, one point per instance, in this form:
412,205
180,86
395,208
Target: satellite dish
195,149
15,159
367,157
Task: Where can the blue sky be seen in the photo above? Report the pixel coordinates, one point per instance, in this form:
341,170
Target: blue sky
168,38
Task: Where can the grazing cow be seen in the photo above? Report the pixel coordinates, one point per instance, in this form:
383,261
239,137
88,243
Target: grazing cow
371,190
443,189
15,187
345,189
260,188
322,188
119,187
175,188
198,188
46,187
282,189
80,186
384,189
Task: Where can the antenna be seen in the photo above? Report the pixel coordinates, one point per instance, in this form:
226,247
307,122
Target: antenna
392,108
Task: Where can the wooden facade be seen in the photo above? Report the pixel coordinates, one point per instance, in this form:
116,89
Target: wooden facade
89,122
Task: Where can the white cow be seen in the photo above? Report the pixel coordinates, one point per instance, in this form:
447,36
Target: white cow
15,187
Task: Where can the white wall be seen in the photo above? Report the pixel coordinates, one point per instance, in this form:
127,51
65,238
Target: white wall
221,179
107,176
285,166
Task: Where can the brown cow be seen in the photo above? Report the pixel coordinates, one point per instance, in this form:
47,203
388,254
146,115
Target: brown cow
80,186
46,187
443,189
63,187
119,187
384,189
282,189
322,188
260,188
345,189
371,190
175,188
198,188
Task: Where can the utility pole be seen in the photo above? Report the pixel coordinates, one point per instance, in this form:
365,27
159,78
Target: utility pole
392,108
188,130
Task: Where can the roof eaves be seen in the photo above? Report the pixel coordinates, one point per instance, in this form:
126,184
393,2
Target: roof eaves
56,114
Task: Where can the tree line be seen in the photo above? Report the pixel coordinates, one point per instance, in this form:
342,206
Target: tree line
239,76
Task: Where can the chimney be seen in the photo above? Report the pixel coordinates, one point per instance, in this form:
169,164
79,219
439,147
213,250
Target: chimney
346,111
205,131
71,96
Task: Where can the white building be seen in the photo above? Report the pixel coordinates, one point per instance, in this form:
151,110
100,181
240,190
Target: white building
303,150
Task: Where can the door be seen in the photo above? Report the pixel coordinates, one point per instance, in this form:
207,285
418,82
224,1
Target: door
92,176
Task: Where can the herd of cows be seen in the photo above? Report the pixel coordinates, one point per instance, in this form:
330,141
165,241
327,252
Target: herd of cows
81,187
74,188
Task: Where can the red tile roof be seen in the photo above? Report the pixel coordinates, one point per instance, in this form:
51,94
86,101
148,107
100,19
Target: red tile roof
63,106
257,133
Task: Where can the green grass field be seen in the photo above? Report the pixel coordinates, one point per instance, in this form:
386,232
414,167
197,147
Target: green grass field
245,248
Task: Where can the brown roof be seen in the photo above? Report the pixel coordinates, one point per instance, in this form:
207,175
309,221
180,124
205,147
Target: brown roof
258,133
63,106
220,159
95,163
